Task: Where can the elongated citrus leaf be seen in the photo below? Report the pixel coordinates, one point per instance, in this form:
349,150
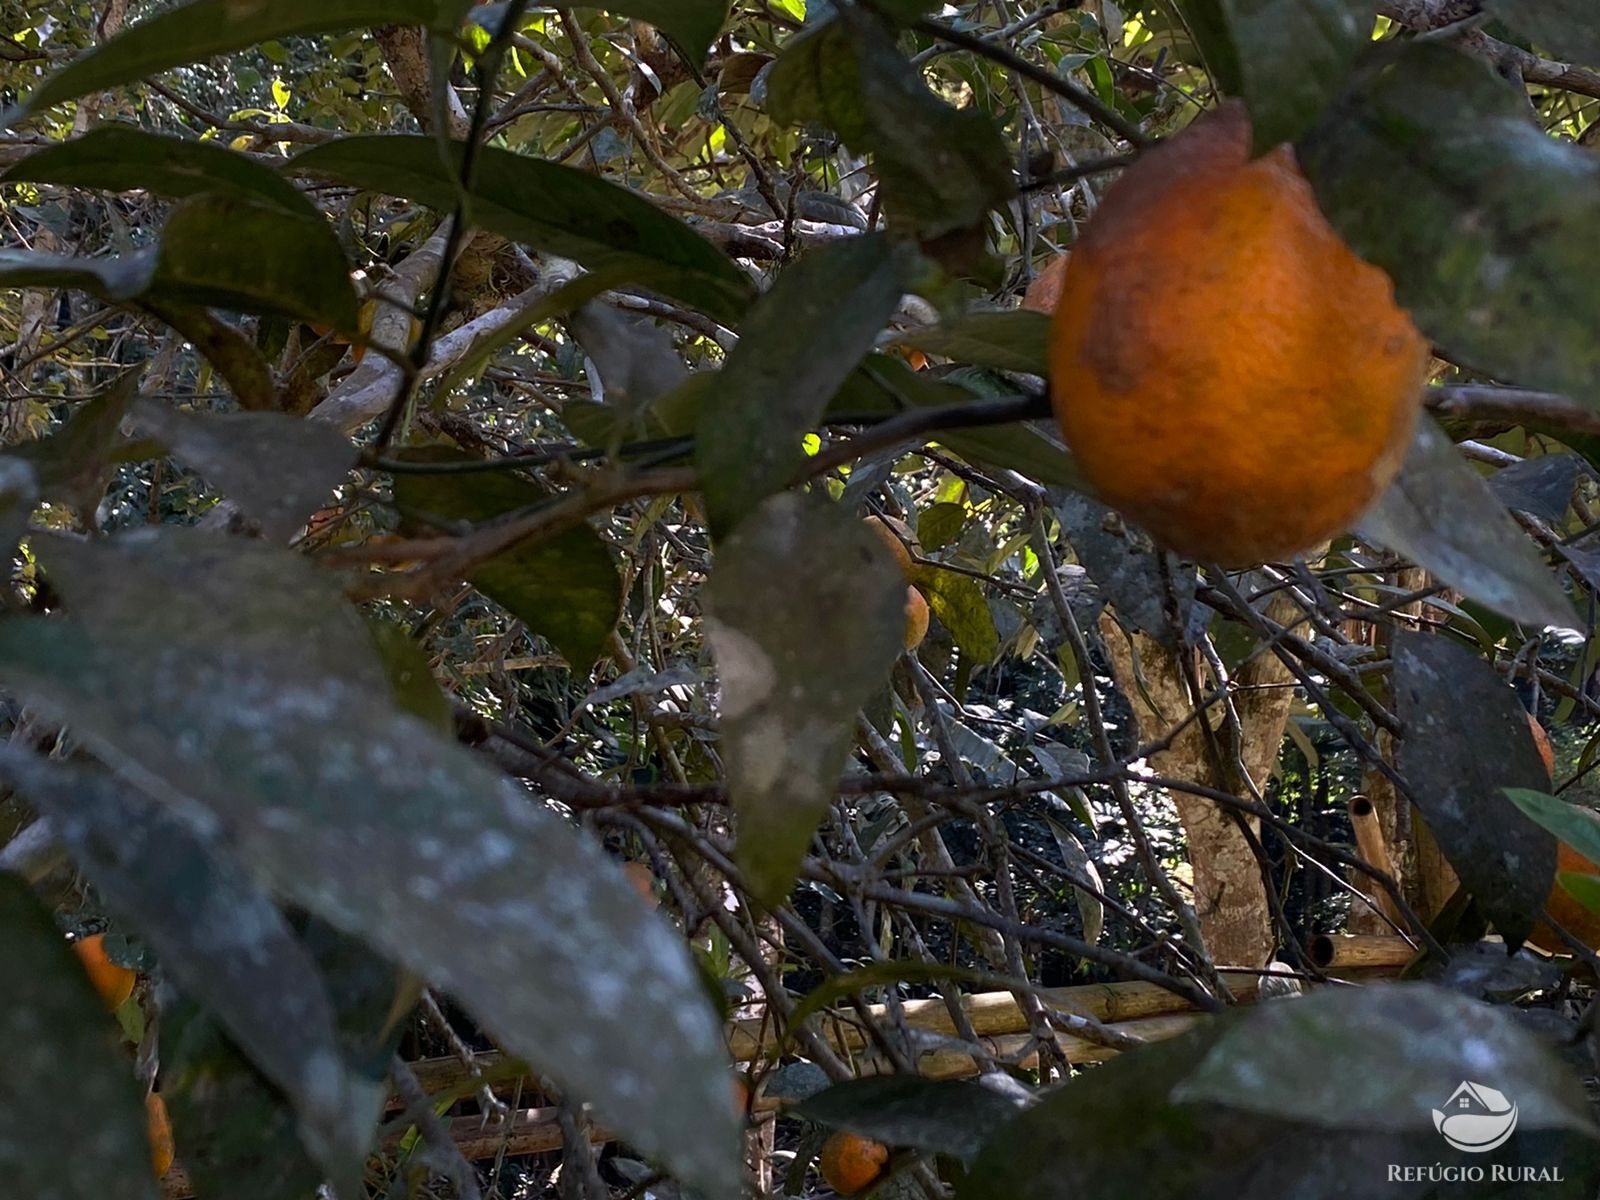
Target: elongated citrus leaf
1383,1058
116,279
371,819
203,28
1433,169
1577,826
565,588
559,209
1007,341
218,936
798,345
941,1116
1566,29
215,249
1441,515
1206,1115
63,1059
123,158
805,615
1466,740
278,468
941,168
1291,57
959,603
237,254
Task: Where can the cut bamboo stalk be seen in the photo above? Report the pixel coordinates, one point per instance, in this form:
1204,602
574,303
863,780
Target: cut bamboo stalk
1340,952
1136,1009
538,1130
1373,848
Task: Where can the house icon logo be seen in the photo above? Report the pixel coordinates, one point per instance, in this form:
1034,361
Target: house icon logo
1476,1118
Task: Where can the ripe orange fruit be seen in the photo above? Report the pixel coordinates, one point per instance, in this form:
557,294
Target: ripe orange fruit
159,1129
851,1163
1228,372
113,981
916,619
1045,291
895,535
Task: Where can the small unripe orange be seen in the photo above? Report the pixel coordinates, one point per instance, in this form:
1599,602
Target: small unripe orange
113,981
851,1163
159,1129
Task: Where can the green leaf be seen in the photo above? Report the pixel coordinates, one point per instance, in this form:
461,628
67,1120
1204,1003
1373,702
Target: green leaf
940,524
228,694
1383,1058
1575,825
941,168
1441,515
693,24
278,468
886,383
805,613
555,208
1567,29
799,343
1466,739
218,936
236,1132
63,1059
959,603
204,28
215,249
1287,59
1433,170
1016,340
1214,1112
238,254
122,158
940,1116
564,588
115,279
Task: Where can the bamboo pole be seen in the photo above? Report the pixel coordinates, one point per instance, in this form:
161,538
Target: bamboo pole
1135,1009
1341,952
1373,848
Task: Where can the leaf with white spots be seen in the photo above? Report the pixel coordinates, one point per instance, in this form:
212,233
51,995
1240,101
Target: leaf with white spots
253,694
218,936
71,1124
805,612
1434,169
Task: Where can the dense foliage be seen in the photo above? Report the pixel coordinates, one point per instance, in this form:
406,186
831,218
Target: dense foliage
443,652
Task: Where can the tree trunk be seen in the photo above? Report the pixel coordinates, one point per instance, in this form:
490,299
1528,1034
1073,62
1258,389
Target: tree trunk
1230,895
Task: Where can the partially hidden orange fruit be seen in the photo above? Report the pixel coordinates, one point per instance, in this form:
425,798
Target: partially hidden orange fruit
895,535
1227,371
851,1163
1541,739
112,980
159,1129
643,880
1045,290
916,619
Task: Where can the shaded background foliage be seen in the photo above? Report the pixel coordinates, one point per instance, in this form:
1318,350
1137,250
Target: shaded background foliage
710,271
